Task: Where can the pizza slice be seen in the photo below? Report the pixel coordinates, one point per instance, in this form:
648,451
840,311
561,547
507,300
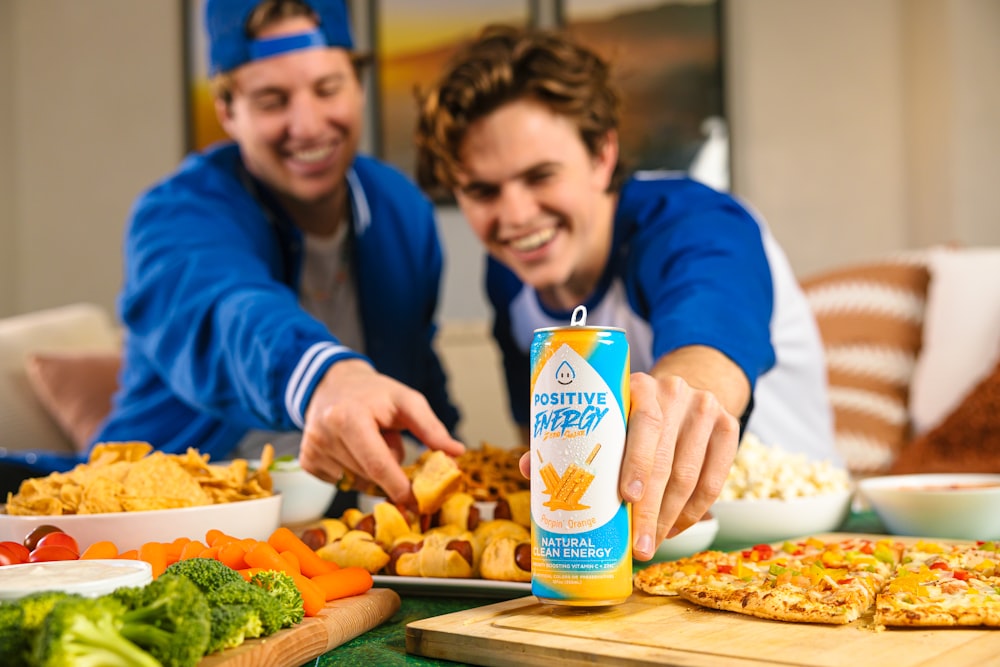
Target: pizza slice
720,568
807,594
810,580
943,585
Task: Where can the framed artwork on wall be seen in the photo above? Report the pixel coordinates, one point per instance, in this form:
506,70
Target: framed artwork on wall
413,42
667,56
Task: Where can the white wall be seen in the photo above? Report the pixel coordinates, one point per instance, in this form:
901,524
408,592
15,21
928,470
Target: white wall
96,114
8,229
864,126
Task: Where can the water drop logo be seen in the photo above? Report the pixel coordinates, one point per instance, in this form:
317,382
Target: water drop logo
565,374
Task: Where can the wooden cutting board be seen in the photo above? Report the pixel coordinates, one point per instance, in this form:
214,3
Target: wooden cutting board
650,629
340,621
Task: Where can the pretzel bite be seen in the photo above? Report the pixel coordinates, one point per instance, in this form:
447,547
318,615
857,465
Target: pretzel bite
355,548
506,559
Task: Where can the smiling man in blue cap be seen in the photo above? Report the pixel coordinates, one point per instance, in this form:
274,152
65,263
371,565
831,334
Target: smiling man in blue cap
281,282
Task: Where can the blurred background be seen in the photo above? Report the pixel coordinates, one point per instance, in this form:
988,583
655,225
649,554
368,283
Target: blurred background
855,127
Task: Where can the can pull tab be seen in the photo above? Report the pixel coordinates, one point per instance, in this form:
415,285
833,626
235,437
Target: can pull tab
579,317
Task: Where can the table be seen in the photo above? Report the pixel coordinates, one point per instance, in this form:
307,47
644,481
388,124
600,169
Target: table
386,644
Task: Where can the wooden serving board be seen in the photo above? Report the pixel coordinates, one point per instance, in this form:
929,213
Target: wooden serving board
650,629
340,621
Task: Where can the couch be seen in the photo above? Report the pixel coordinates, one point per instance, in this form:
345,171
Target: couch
58,368
912,343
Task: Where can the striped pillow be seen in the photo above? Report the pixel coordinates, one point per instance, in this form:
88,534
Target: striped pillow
870,318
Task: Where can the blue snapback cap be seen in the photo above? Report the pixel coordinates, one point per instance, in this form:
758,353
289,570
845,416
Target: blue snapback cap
229,46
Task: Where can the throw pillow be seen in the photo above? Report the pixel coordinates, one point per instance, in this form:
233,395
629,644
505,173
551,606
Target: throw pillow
870,317
961,342
967,440
75,389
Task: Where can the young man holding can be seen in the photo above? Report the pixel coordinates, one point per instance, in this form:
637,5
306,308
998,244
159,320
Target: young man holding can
522,127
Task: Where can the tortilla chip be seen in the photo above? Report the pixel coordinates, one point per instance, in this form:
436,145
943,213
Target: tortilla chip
159,476
130,476
105,453
102,495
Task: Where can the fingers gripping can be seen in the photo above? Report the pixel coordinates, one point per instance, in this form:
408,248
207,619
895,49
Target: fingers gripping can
581,543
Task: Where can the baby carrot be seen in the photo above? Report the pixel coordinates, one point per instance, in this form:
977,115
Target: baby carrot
154,553
311,564
131,554
210,552
265,557
174,549
293,561
313,598
344,582
191,550
233,555
102,549
216,538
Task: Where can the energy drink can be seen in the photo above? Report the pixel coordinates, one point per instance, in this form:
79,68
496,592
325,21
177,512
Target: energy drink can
581,542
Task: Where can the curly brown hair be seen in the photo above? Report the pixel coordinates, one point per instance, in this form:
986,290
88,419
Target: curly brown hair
502,65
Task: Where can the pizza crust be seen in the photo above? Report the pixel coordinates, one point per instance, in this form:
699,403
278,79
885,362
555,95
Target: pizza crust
785,603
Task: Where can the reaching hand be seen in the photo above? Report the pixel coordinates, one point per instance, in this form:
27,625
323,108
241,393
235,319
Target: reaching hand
681,443
355,421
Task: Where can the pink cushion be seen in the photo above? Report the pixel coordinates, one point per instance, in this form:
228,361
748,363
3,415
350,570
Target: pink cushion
75,388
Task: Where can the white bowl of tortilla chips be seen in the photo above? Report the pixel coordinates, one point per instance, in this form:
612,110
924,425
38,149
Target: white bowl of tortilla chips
256,518
129,494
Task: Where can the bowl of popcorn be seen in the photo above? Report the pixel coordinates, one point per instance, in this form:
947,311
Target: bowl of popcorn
772,495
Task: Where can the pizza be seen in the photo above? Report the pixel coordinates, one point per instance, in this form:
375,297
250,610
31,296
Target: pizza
840,581
943,585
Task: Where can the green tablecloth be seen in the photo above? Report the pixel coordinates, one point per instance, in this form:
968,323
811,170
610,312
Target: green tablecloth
386,644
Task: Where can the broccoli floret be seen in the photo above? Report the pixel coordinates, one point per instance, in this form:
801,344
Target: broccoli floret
13,638
268,609
20,621
281,586
169,618
207,573
37,606
82,632
231,625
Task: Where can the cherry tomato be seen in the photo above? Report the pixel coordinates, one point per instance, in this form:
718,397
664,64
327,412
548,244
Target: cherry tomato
51,553
31,541
7,557
19,550
59,539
